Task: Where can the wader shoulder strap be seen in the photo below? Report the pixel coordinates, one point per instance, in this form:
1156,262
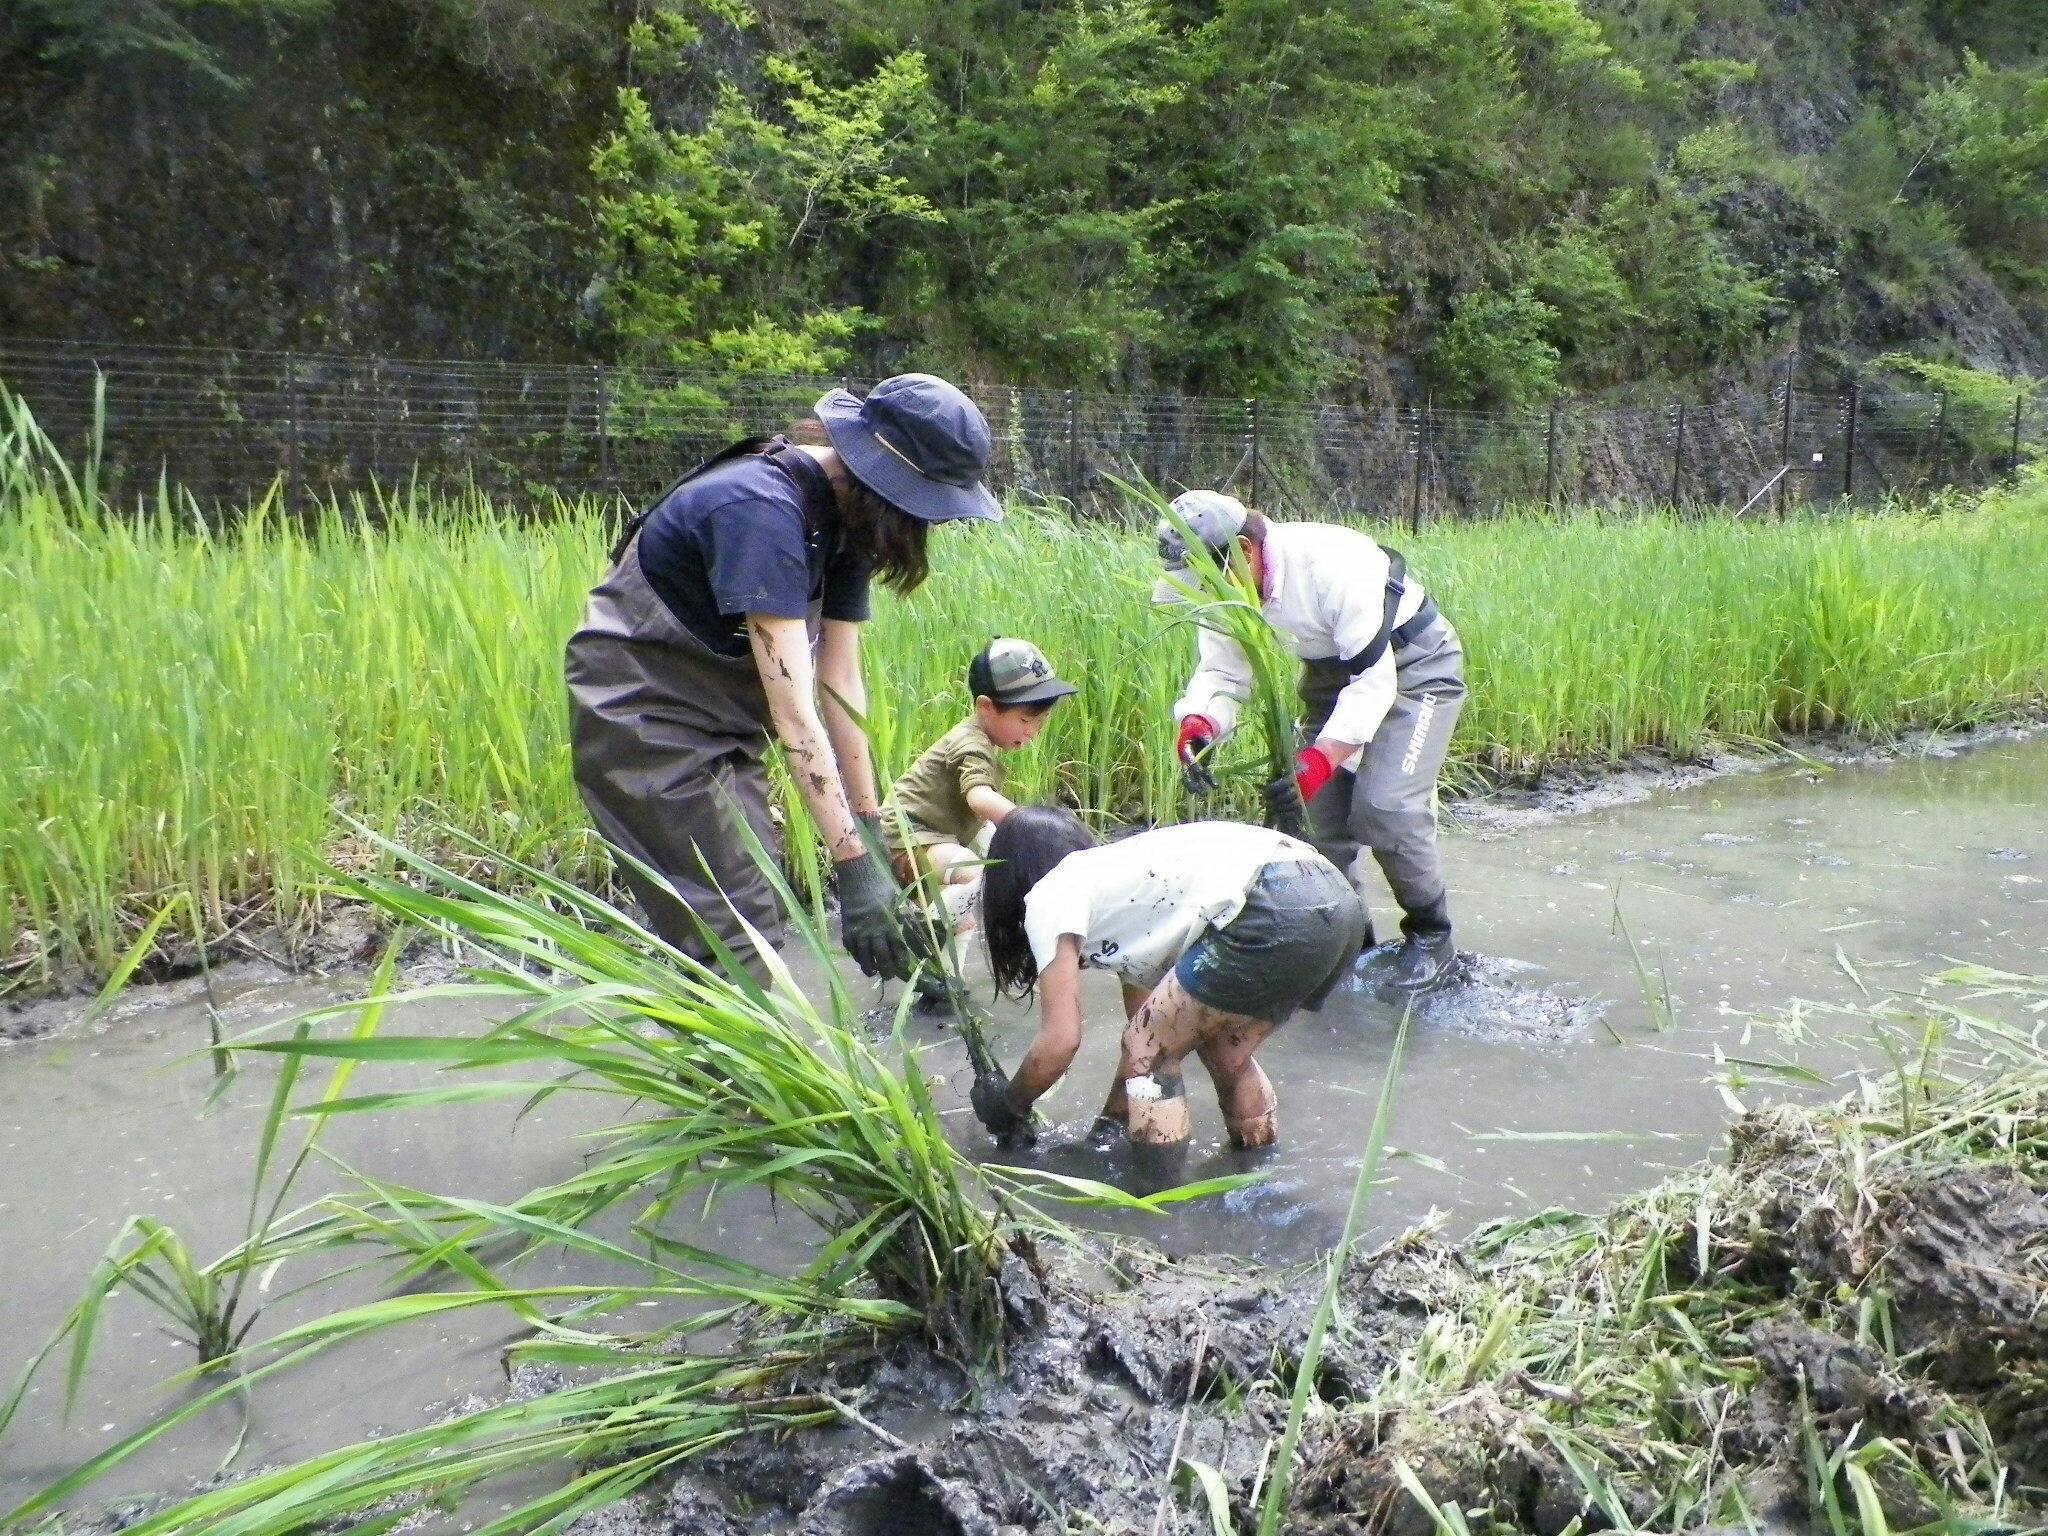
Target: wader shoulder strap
793,462
746,447
1397,588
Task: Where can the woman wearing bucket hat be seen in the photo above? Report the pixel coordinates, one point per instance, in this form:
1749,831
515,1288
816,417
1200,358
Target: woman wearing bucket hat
731,613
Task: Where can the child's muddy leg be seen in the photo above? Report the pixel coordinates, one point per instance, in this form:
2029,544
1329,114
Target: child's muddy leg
1116,1108
1159,1034
952,863
1243,1091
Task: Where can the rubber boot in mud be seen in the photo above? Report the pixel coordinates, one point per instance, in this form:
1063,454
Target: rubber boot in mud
1427,956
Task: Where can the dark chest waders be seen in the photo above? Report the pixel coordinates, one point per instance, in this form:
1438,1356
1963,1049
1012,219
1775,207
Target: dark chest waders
668,739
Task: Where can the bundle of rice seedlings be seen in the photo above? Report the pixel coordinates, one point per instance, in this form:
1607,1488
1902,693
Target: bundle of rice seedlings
1219,597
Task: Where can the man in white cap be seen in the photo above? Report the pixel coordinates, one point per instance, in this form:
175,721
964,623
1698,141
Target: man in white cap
1383,679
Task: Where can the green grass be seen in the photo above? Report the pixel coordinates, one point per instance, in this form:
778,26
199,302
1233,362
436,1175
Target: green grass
184,710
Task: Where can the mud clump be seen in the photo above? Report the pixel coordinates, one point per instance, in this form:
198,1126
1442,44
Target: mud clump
1856,1288
1959,1258
1479,1452
892,1494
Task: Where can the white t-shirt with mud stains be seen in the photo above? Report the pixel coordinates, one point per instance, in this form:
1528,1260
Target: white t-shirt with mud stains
1137,905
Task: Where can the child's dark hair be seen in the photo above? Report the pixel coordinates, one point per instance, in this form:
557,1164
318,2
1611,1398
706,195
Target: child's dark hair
981,682
1031,840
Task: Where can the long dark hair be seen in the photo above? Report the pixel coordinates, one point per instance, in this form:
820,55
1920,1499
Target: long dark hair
875,529
1031,840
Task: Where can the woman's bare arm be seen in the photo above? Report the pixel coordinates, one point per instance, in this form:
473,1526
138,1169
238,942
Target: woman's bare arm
782,654
844,699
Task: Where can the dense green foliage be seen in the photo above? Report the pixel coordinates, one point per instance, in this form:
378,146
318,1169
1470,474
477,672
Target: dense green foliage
1490,199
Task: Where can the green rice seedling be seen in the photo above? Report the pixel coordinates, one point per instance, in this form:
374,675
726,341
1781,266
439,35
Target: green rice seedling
1305,1374
185,700
723,1085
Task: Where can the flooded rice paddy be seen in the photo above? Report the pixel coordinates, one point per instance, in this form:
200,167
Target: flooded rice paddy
1585,1054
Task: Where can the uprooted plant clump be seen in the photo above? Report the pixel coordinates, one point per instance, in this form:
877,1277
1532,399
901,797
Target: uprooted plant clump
1844,1325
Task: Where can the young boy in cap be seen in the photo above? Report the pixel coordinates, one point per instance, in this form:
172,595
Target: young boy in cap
936,812
1382,681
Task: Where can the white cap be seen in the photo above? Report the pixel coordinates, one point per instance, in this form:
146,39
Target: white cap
1213,517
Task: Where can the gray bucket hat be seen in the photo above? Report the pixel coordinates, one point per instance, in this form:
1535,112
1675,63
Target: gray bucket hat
915,441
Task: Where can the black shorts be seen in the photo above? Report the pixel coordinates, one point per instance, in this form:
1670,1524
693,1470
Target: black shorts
1296,937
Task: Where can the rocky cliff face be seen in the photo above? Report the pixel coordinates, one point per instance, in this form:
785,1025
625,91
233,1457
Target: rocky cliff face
352,179
352,191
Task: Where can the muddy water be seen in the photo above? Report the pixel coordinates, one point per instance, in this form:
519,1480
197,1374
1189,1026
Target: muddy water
1558,1074
127,1117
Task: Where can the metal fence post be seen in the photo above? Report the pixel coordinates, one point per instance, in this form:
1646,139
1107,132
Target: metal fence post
1074,449
1849,441
602,379
1940,438
1677,450
1550,461
291,429
1420,435
1785,446
2014,467
1253,406
376,410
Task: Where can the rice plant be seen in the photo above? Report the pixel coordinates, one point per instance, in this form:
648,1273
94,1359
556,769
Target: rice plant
185,702
722,1085
1218,596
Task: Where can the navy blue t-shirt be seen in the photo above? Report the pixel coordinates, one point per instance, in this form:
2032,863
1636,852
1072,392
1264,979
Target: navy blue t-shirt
749,536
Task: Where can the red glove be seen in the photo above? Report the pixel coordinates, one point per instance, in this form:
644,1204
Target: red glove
1312,770
1197,735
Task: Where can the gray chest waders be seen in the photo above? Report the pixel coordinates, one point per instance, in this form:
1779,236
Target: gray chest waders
668,739
1387,805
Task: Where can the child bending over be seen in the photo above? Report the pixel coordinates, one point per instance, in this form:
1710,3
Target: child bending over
1218,931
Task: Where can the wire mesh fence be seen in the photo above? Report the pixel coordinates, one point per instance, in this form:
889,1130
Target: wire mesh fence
227,425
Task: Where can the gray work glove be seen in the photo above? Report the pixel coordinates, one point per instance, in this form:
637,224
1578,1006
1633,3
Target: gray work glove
1284,810
868,927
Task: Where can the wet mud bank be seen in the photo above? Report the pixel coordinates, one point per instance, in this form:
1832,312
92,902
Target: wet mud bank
1851,1306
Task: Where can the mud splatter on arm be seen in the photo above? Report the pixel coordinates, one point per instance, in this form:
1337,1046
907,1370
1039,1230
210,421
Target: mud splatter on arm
782,655
843,702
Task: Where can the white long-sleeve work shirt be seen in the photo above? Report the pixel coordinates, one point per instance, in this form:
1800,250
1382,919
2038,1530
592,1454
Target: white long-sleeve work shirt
1326,595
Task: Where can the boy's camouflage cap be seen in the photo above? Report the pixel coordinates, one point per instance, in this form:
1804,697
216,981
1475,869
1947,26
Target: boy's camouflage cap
1015,672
